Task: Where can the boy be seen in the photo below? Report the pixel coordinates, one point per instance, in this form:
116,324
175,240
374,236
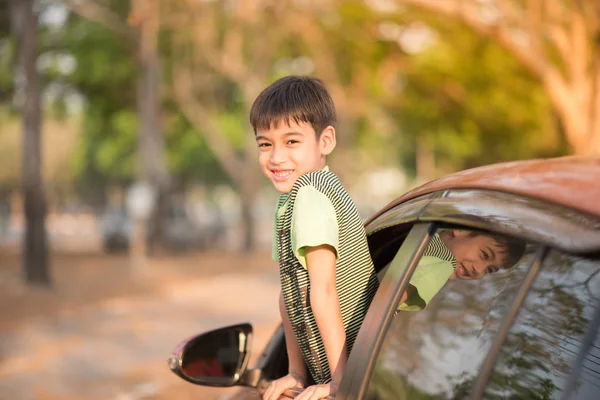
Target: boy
458,254
327,276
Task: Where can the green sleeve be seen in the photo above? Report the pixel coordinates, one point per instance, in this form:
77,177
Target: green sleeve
429,277
314,222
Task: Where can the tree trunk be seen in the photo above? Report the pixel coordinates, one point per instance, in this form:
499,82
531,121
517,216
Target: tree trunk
581,141
151,146
581,125
248,189
579,112
247,203
35,248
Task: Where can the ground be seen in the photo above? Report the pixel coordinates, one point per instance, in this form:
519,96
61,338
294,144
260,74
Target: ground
104,331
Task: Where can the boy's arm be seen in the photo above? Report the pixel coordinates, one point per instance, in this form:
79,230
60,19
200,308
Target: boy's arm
325,304
427,280
296,368
410,290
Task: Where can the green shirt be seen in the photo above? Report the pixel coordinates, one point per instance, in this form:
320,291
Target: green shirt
324,206
434,269
314,223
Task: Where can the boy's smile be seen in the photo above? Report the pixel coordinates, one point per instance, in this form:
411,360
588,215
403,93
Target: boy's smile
290,150
476,255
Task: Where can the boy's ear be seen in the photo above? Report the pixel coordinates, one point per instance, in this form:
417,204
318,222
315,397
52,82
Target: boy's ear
327,140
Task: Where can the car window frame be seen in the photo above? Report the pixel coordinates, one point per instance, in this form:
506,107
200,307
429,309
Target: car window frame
496,212
490,360
371,335
368,344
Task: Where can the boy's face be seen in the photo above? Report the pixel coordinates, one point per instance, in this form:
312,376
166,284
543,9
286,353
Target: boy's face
476,255
290,151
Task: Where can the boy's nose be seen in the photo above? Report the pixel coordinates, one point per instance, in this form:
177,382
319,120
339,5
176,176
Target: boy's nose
277,157
276,161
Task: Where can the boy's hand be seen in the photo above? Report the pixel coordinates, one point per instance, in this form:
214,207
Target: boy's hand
317,392
278,386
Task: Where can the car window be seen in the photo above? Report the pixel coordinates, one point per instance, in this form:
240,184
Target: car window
384,244
546,337
438,339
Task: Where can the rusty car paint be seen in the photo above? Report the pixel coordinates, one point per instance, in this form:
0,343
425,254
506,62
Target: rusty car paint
556,180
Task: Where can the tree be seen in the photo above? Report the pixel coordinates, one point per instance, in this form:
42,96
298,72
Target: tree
557,40
455,114
107,154
145,15
219,64
142,33
35,247
341,39
224,57
107,146
6,70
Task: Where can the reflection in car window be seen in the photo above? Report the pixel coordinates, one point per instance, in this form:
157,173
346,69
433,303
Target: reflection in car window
442,332
543,343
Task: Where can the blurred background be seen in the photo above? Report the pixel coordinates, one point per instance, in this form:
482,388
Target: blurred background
132,209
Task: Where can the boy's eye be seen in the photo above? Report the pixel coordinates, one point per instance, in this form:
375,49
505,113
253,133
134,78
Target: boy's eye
292,141
484,255
263,145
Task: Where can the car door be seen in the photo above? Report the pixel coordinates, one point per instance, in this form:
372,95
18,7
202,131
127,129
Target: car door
490,334
552,349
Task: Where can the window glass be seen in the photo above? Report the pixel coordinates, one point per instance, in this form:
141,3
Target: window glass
545,340
459,294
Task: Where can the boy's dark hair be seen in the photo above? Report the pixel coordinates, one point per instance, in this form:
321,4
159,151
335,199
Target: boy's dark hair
514,248
293,98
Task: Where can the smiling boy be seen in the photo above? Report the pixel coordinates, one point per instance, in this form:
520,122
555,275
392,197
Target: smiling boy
327,276
458,254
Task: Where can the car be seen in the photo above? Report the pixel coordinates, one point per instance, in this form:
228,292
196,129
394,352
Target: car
526,332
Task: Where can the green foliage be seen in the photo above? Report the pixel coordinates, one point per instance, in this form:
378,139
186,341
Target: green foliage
7,54
115,155
106,75
7,59
471,98
188,155
476,103
234,127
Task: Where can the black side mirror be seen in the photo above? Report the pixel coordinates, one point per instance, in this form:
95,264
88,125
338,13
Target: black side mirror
214,358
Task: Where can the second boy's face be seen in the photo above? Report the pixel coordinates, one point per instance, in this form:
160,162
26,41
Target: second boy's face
476,255
290,151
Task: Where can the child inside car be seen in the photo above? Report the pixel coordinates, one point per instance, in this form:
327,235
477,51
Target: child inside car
458,254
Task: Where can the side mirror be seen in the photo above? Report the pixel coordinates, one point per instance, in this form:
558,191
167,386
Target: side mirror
214,358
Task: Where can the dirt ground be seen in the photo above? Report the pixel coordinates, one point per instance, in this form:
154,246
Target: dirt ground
104,331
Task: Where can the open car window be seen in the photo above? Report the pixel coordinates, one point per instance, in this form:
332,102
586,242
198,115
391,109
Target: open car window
384,244
440,336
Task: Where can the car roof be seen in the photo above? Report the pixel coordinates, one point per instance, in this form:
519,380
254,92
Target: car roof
572,182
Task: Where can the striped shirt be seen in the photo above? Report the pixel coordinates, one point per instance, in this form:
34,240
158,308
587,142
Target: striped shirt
437,248
356,282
